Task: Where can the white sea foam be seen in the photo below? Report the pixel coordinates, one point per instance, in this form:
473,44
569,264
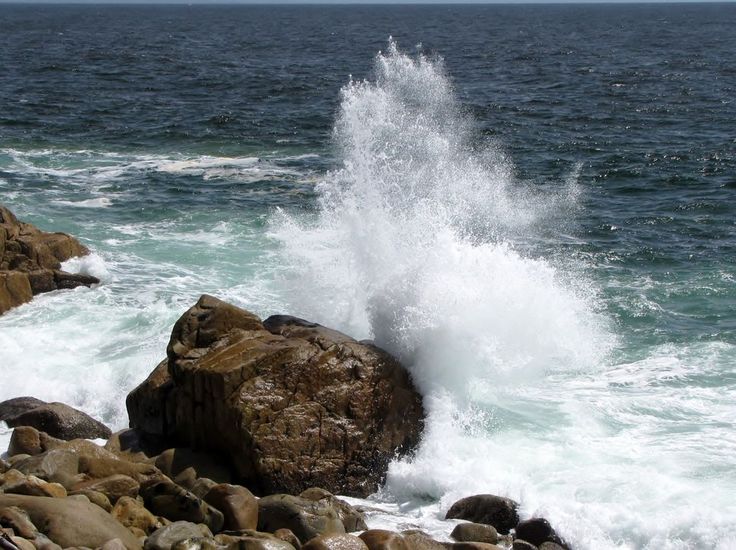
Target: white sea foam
414,246
91,264
101,202
85,166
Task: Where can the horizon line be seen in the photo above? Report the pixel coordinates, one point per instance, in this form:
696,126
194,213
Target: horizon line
382,3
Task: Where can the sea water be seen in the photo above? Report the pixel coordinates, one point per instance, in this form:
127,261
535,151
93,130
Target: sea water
533,207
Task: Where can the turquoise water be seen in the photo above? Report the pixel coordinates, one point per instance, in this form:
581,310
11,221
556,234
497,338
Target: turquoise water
540,224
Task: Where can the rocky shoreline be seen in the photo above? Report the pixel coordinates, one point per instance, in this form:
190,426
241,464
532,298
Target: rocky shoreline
30,261
240,439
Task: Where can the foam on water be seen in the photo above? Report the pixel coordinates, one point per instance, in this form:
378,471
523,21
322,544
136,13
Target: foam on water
85,166
415,245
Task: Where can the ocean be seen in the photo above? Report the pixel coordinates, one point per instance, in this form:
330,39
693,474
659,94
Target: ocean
533,206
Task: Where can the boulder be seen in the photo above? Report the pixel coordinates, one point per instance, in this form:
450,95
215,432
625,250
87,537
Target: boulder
30,261
493,510
294,404
60,421
419,540
165,537
21,543
237,504
113,487
25,440
18,520
537,531
132,513
288,536
335,542
381,539
68,522
15,290
95,497
351,518
305,518
201,486
17,405
475,532
523,545
28,440
57,465
99,467
165,498
33,486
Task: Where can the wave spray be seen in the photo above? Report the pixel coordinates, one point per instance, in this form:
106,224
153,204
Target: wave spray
413,246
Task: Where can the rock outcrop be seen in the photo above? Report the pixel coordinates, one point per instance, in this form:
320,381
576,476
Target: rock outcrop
30,261
294,404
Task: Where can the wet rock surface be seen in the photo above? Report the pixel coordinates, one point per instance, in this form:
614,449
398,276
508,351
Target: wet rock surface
30,261
293,403
493,510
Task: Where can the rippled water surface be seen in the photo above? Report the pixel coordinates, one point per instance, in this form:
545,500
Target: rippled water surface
534,206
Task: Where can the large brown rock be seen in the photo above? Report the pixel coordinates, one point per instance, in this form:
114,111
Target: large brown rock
305,518
294,404
165,498
335,542
28,440
237,504
30,261
475,532
351,518
381,539
56,419
70,522
500,512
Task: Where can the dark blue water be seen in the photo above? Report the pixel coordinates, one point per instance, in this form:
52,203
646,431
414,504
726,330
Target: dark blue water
166,137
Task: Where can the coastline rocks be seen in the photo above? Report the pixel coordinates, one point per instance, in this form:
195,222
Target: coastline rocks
352,519
294,404
335,542
305,518
380,539
537,531
70,522
237,504
166,498
165,537
419,540
493,510
56,419
30,261
475,532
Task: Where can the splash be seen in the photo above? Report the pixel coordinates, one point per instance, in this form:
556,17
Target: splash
413,244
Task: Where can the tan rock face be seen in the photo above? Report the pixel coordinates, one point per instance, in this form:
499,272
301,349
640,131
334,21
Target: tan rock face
294,404
305,518
380,539
30,261
68,522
